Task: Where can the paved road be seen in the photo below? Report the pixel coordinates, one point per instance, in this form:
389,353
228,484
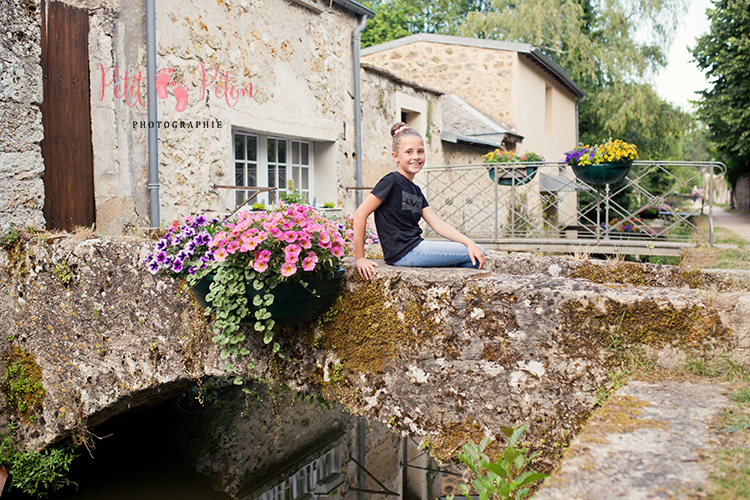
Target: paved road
737,223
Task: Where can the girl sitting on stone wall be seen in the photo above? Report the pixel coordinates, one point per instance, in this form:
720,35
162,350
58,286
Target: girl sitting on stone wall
399,204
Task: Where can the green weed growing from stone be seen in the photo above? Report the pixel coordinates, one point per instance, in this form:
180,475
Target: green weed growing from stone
36,473
503,479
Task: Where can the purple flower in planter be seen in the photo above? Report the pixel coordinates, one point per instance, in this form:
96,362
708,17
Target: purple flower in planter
199,221
183,255
187,232
162,244
177,266
153,267
190,247
161,257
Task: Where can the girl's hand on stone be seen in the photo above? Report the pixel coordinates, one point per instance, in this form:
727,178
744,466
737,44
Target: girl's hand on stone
476,254
366,268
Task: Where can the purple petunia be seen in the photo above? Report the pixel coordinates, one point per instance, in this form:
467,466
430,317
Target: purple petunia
161,257
199,221
177,266
153,267
183,255
162,244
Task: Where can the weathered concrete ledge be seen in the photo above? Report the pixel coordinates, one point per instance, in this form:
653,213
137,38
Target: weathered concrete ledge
447,353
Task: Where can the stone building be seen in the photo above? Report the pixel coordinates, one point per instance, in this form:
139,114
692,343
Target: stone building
247,91
513,84
496,95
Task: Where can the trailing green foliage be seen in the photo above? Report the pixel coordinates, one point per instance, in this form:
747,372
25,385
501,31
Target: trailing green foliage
503,479
36,473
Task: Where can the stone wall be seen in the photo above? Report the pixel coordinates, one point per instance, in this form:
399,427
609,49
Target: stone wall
21,164
448,354
459,70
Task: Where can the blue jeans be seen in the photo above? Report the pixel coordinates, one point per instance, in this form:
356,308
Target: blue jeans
437,254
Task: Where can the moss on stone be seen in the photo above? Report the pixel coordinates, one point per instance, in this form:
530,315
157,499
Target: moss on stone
22,383
631,273
585,326
370,327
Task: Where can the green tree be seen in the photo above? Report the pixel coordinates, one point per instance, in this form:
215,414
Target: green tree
724,55
399,18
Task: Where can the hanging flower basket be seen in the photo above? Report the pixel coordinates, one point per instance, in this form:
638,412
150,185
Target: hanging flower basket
602,173
259,267
509,176
294,303
509,169
606,163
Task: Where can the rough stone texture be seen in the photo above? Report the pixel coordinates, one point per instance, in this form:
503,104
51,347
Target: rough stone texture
21,164
448,353
112,340
457,69
646,443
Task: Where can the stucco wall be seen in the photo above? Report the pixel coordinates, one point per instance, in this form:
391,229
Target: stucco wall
21,164
456,69
548,131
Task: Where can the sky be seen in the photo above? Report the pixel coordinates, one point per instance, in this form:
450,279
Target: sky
679,81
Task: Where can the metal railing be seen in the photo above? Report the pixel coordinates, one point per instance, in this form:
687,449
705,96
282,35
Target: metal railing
496,202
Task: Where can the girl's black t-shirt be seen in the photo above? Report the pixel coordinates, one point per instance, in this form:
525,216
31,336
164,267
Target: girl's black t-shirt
397,218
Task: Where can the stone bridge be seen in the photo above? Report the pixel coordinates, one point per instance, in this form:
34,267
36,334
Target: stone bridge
449,354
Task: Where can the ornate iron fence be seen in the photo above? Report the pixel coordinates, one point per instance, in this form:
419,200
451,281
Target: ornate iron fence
657,201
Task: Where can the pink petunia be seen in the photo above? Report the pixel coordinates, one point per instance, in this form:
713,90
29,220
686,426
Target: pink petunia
313,256
337,250
260,265
220,255
290,237
233,246
308,264
305,243
287,269
265,255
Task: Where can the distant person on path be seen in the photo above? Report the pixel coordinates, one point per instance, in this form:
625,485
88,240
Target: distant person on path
399,204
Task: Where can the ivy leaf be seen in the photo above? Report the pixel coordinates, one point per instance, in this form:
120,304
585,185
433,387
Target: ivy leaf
259,327
268,337
258,284
276,347
258,300
238,381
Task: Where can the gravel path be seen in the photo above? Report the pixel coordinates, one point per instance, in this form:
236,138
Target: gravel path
646,443
737,223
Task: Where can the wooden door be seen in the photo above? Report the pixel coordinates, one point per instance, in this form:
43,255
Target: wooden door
66,116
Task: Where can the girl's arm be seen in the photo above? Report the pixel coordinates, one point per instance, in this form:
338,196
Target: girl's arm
446,231
365,267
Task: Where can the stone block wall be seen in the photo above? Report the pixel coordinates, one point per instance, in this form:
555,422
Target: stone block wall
21,164
458,70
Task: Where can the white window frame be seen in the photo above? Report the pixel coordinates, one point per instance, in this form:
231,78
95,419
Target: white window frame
262,165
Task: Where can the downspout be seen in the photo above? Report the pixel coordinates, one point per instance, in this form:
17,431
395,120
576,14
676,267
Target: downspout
578,103
357,107
153,145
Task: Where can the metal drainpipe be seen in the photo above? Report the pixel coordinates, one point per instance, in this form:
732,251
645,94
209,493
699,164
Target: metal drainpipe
153,145
357,106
